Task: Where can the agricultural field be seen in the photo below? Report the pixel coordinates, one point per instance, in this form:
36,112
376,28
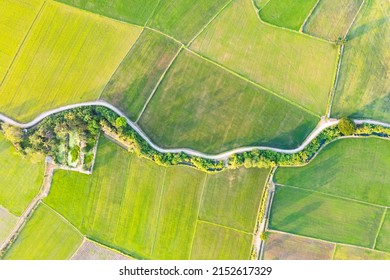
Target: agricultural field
40,238
331,19
287,13
354,253
47,72
7,223
260,3
139,72
209,109
363,86
93,251
302,73
383,238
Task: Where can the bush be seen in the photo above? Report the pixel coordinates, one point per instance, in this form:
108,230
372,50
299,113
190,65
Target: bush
264,236
346,126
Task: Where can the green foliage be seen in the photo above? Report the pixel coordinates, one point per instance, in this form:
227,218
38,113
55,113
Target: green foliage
120,122
264,236
346,126
75,153
12,133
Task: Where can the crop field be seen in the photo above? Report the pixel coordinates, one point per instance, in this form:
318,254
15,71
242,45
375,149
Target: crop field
41,235
213,242
211,110
302,73
363,87
332,18
20,179
7,223
260,3
287,13
92,251
139,72
281,246
16,18
353,253
383,241
53,67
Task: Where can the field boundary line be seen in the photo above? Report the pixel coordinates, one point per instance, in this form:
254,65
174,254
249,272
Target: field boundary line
335,82
75,252
380,227
164,34
86,239
157,85
309,15
354,19
8,212
152,13
334,251
223,226
258,9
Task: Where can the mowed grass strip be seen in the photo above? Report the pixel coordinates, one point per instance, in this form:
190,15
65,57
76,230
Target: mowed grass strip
352,168
354,253
287,13
231,198
92,251
332,18
333,219
133,11
213,242
20,178
46,236
139,72
209,109
280,246
68,57
7,223
364,85
303,72
16,18
383,240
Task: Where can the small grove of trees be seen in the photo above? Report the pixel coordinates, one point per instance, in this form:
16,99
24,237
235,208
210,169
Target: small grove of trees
12,134
346,126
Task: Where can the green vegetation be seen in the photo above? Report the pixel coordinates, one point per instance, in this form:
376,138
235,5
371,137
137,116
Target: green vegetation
7,223
332,18
363,86
287,13
40,238
346,126
260,3
61,45
355,253
208,109
93,251
302,73
383,241
213,242
139,72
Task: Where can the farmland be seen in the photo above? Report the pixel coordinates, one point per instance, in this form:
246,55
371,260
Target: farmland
208,109
383,239
93,251
46,73
7,222
353,253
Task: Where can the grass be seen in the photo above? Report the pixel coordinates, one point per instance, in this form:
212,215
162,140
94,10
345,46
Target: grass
92,251
20,179
208,109
213,242
383,241
353,253
16,19
332,18
133,11
40,238
231,198
260,3
303,72
324,217
287,13
281,246
183,19
352,168
7,223
139,72
363,87
68,57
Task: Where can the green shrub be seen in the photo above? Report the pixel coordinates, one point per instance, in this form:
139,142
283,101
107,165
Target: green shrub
346,126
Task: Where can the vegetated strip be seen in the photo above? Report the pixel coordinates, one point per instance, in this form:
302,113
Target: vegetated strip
309,15
380,227
219,225
333,90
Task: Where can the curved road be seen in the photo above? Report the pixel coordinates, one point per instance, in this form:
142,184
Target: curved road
323,124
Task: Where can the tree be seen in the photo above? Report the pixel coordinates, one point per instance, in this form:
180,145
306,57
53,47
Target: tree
12,133
264,236
120,122
340,41
346,126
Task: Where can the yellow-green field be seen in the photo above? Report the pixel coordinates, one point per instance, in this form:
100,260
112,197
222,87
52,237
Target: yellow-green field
354,253
7,223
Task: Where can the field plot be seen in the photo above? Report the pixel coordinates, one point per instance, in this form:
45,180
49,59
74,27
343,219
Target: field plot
260,3
133,11
68,57
351,168
92,251
183,19
364,85
46,236
213,242
211,110
354,253
20,178
139,72
16,18
281,246
7,223
332,18
239,40
383,241
287,13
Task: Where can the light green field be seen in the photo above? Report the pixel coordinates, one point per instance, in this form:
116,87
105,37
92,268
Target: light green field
46,236
364,85
287,13
20,179
206,108
332,18
183,19
230,198
68,57
302,72
354,253
260,3
383,241
133,11
139,72
93,251
7,223
352,168
324,217
213,242
16,18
